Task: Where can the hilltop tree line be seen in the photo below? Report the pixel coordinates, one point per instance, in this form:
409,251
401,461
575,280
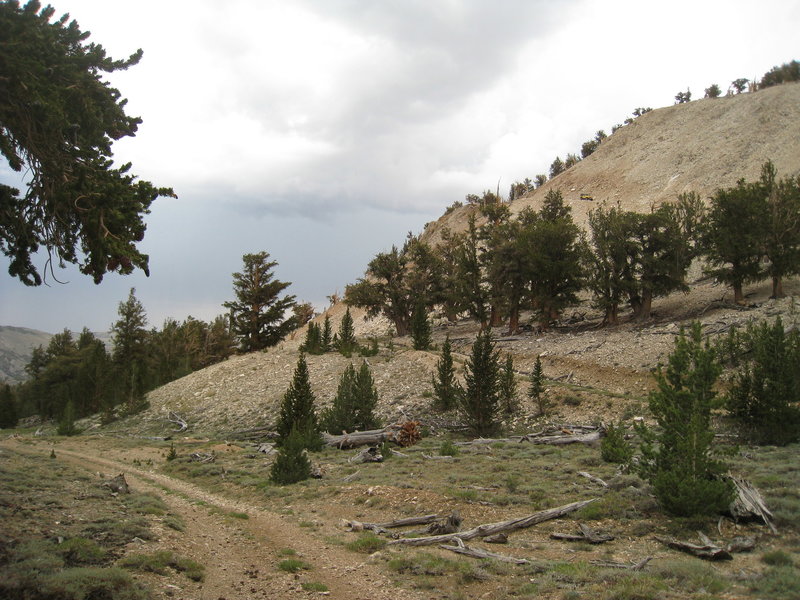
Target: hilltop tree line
541,261
74,377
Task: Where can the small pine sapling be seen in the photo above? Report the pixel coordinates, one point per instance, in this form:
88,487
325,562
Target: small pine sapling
445,387
614,448
291,465
508,388
536,391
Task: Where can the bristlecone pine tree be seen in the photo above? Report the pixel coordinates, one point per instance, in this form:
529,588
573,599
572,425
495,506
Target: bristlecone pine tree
536,390
354,405
291,465
677,457
297,410
446,390
346,342
508,388
479,403
8,408
420,328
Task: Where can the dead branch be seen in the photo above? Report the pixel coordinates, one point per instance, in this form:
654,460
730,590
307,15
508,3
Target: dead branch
351,477
461,548
371,454
494,528
203,457
587,534
175,418
593,479
382,527
618,565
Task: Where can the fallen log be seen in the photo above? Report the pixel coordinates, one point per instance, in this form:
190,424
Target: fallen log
749,503
461,548
203,457
436,457
706,549
175,418
587,534
495,528
345,441
382,527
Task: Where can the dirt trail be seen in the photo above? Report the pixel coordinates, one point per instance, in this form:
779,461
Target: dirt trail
240,556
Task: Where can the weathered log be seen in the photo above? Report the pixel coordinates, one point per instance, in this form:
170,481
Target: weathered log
266,448
591,439
382,527
707,549
203,457
461,548
494,528
371,454
351,477
345,441
749,504
482,442
499,538
436,457
587,534
741,544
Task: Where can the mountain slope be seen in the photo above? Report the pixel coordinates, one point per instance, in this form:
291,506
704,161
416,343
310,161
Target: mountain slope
700,146
16,348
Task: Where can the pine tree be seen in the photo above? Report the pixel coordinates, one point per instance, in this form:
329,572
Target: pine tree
341,416
258,315
8,408
446,390
420,328
508,388
130,351
297,409
366,398
291,465
346,342
67,424
614,448
765,396
680,468
327,334
313,342
536,391
479,404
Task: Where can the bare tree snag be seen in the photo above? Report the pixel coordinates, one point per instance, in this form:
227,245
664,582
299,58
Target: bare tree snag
203,457
495,528
749,504
461,548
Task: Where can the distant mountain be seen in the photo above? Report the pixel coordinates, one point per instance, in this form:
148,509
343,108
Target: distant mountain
16,348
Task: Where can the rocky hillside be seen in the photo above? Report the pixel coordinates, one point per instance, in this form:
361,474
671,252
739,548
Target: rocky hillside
596,373
16,347
700,146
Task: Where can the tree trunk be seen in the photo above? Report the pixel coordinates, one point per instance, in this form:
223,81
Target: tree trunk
495,317
777,287
738,295
612,316
642,310
513,321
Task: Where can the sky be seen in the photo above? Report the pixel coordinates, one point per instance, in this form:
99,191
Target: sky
323,131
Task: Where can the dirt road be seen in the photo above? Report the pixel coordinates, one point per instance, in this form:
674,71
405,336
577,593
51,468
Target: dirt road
240,555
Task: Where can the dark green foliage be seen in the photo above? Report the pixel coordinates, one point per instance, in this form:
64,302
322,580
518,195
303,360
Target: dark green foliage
784,74
536,391
713,91
355,402
291,465
781,225
420,328
313,342
683,97
346,342
556,167
445,387
740,84
297,410
677,458
469,283
258,315
479,402
614,448
58,120
8,408
326,335
172,454
160,561
507,384
765,396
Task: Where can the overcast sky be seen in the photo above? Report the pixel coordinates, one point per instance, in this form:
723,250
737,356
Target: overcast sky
322,131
